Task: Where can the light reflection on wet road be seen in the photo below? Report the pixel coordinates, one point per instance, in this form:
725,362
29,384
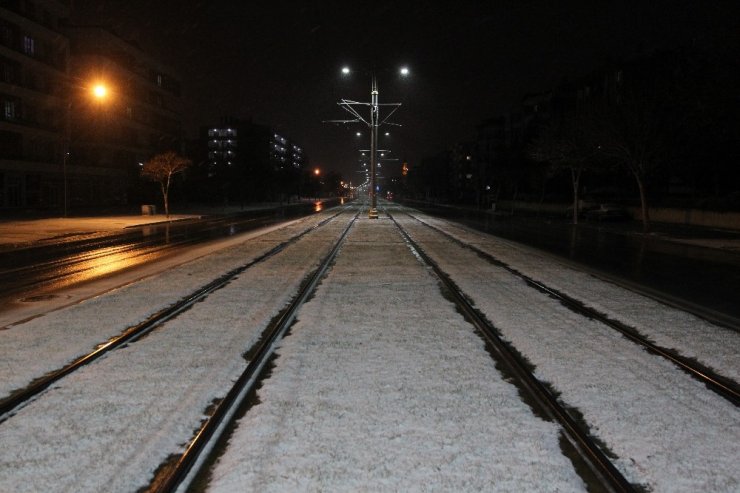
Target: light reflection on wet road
32,273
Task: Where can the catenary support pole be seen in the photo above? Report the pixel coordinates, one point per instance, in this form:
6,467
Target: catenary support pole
373,214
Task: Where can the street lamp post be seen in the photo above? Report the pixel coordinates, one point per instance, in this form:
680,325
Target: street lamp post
66,144
64,172
99,93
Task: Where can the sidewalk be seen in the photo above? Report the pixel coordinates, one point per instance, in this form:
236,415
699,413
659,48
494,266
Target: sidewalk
19,231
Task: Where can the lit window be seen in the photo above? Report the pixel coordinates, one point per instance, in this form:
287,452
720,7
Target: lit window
29,45
9,110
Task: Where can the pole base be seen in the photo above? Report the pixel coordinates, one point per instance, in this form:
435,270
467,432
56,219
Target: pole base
373,214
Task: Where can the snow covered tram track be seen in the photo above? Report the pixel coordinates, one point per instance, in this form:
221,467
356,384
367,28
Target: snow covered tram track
590,452
178,474
714,381
17,399
663,429
113,424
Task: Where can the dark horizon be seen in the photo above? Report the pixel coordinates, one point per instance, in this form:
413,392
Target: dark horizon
280,65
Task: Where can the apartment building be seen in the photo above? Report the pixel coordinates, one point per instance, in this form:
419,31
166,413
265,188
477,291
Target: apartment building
34,54
63,146
251,161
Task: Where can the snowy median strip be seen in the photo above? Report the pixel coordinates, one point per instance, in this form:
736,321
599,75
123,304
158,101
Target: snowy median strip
383,386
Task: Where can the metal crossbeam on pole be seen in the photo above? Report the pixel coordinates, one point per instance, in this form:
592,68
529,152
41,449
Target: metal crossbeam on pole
374,123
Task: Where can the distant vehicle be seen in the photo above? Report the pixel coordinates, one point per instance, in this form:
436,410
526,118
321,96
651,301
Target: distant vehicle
608,212
389,195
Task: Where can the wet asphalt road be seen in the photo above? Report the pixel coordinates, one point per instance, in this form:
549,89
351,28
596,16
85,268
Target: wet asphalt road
31,273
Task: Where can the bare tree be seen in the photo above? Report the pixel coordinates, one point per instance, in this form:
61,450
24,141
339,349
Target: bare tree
640,132
161,168
566,144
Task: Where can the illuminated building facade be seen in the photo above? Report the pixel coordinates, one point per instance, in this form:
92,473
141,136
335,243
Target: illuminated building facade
251,162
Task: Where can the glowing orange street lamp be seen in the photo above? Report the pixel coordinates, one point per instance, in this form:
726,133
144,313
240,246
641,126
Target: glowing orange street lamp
99,91
317,172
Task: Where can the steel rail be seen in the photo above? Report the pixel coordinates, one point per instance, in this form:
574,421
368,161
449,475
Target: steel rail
188,465
715,382
12,403
612,479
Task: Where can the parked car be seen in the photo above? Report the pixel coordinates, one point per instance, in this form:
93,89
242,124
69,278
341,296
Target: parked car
608,212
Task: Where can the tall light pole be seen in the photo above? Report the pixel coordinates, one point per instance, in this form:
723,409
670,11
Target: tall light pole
99,92
374,123
373,213
64,172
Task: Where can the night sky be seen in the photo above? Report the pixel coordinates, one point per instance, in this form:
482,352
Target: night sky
279,62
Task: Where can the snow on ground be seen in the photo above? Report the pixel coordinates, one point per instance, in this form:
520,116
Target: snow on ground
382,386
109,425
667,429
690,336
34,348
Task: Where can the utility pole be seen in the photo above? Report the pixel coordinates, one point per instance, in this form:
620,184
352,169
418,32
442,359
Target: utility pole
374,123
64,173
373,214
